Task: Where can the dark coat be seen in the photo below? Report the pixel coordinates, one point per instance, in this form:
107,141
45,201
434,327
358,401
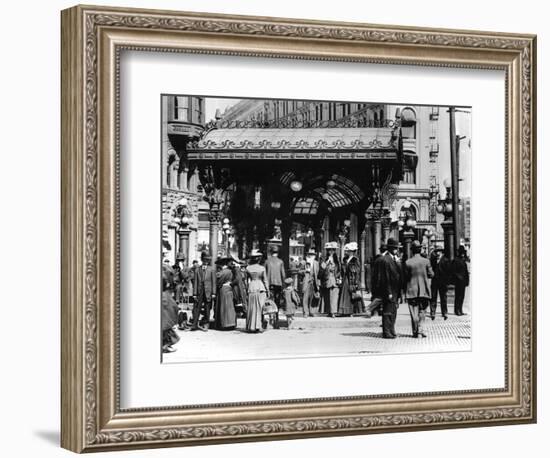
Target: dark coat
224,314
168,278
443,270
386,278
275,271
461,276
239,288
417,272
351,272
204,282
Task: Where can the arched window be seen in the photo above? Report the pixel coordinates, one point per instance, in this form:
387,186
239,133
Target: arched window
408,123
409,211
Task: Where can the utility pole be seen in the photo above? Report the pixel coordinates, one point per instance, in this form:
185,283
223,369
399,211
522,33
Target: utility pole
454,175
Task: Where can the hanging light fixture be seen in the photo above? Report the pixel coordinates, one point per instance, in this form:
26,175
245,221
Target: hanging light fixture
296,185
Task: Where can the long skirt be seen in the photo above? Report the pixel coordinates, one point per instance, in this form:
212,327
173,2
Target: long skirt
225,310
345,307
330,299
169,311
256,301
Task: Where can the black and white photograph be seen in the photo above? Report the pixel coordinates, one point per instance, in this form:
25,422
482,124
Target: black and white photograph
303,228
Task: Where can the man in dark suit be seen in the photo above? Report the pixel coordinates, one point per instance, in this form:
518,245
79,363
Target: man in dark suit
461,278
417,272
204,292
442,268
376,302
387,281
275,272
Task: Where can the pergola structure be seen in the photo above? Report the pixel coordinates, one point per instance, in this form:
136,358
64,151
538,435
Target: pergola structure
265,180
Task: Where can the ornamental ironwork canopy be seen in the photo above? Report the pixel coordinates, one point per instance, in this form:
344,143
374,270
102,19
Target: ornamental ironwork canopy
299,143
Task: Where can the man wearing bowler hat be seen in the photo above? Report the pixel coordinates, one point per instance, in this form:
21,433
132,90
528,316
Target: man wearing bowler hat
387,281
204,291
443,270
461,279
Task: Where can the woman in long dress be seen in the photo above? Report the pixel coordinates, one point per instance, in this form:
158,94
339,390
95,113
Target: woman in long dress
350,299
169,312
239,287
225,316
329,274
257,292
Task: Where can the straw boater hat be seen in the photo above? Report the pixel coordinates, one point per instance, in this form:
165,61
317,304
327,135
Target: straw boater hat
331,246
289,281
311,251
351,246
256,253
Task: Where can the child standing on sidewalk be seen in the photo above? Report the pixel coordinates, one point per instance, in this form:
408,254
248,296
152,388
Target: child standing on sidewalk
291,301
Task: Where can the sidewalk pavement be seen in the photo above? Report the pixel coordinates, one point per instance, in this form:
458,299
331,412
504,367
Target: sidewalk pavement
324,336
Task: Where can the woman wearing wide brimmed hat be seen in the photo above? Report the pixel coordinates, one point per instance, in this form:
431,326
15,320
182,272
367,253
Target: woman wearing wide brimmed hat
225,317
351,301
257,292
310,284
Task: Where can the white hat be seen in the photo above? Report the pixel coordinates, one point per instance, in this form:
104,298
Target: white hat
255,253
331,246
351,246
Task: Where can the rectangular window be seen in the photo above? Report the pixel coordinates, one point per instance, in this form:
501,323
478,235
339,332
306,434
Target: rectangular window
409,176
197,118
181,109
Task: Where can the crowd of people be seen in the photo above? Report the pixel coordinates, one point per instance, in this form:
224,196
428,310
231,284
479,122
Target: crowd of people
419,281
261,290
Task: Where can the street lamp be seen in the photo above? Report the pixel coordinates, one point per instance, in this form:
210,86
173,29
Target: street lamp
183,218
445,208
406,224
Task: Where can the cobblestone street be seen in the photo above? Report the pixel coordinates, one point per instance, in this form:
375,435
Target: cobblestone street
323,336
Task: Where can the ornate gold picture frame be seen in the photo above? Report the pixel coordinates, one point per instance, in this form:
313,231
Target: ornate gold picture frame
92,39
